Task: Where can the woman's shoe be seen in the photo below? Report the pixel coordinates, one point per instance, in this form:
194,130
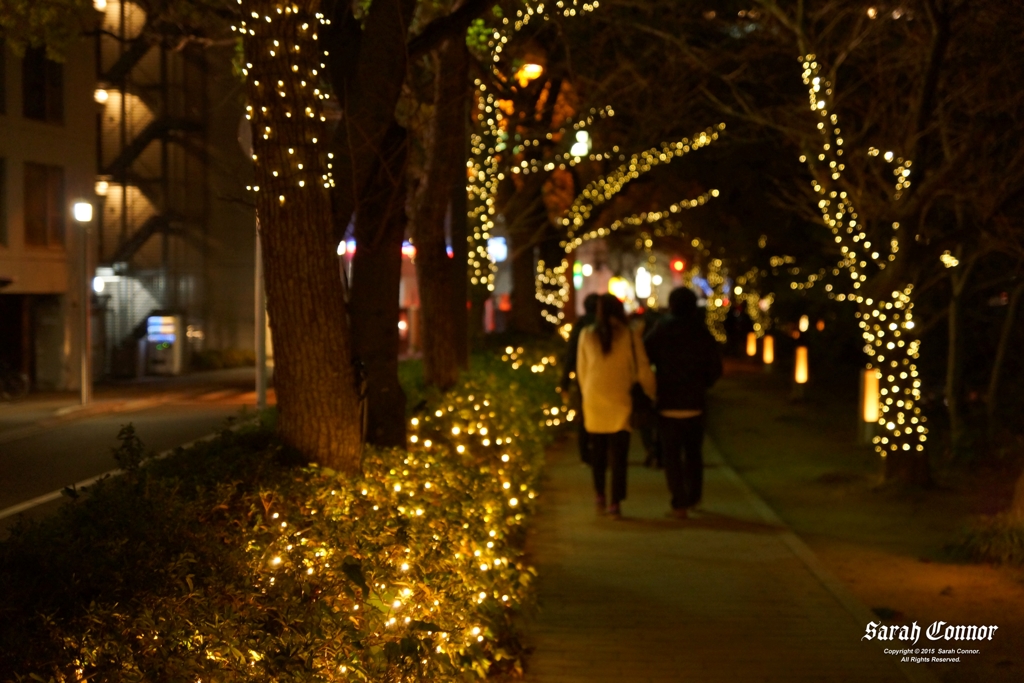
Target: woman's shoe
678,513
601,504
615,511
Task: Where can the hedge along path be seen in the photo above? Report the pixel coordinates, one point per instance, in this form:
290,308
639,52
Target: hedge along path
733,595
242,561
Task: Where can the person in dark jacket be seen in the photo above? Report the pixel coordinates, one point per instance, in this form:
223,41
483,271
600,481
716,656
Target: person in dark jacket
686,363
569,371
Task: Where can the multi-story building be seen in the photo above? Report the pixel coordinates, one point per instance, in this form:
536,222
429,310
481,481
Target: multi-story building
47,161
143,124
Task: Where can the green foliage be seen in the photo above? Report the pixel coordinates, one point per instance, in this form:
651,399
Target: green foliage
57,24
53,23
998,540
130,454
230,561
478,35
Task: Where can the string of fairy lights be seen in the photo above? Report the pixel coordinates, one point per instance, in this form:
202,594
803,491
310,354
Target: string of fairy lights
536,10
485,171
285,109
603,189
461,492
486,165
745,290
552,284
886,324
716,272
567,159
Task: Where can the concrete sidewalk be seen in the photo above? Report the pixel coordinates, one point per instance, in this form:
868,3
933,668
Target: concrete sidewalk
730,596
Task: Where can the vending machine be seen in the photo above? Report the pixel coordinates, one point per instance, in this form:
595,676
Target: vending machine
165,345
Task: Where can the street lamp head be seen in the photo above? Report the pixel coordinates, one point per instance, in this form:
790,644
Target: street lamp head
82,211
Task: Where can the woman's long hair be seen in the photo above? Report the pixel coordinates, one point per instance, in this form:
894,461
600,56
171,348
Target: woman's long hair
608,309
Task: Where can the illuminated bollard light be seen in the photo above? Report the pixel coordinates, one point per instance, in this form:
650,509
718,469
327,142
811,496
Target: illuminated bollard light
800,370
869,404
751,344
768,352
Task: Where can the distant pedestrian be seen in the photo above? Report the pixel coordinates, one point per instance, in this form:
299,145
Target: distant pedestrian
737,324
686,363
610,360
569,373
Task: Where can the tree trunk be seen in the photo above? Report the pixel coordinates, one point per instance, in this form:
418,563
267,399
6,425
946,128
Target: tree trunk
525,307
460,249
1017,506
446,163
1005,335
954,359
953,374
318,410
524,214
376,277
367,67
899,441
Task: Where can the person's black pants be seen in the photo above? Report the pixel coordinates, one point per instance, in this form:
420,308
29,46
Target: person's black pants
610,449
682,442
583,437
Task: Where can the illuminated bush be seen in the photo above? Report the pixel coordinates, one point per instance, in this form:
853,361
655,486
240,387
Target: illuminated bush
227,562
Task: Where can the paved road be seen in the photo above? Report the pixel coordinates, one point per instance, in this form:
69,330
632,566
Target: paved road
52,407
43,449
731,596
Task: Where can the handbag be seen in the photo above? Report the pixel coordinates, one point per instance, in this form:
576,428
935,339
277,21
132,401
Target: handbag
643,415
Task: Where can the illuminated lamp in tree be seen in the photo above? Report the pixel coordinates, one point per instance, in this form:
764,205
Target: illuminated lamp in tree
527,73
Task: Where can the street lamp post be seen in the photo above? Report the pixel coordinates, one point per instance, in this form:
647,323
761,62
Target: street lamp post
260,323
82,212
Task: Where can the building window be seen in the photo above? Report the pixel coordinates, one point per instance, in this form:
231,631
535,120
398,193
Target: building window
42,87
44,205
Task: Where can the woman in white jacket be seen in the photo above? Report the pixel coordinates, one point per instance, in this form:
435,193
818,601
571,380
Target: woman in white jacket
610,359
